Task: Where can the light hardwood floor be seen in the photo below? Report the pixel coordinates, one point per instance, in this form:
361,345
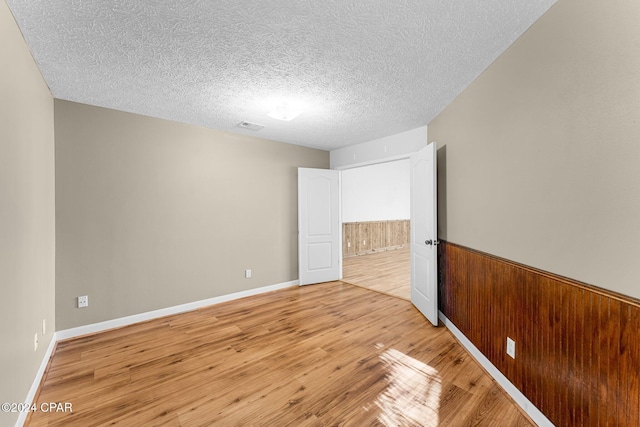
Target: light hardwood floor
388,272
319,355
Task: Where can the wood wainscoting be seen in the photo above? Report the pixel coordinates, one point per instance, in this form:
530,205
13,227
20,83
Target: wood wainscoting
577,346
359,238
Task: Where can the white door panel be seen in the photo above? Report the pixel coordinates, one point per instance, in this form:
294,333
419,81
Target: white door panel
319,232
424,233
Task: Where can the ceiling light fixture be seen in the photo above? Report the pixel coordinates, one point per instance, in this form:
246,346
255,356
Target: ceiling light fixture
284,112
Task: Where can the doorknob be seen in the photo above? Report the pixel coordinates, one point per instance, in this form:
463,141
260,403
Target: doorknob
431,242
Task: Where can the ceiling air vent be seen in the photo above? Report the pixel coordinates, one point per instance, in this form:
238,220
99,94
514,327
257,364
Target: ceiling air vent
249,125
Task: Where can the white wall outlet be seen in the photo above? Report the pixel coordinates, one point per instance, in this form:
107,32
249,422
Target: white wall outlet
83,301
247,273
35,342
348,244
511,348
44,327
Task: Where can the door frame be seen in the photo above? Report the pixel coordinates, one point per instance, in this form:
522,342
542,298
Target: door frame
406,156
403,156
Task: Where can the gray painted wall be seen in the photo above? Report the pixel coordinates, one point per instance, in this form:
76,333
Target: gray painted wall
27,222
540,156
152,213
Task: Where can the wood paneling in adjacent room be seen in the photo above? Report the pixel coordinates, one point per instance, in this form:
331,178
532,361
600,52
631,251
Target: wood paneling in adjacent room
360,238
577,346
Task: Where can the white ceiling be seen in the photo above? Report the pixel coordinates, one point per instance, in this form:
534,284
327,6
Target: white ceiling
361,69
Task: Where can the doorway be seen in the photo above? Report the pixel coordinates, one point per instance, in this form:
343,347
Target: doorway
321,188
375,204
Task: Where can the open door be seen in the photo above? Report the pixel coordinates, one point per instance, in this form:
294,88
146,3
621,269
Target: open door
424,233
319,232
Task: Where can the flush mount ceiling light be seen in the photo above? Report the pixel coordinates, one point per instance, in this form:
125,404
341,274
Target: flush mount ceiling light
285,112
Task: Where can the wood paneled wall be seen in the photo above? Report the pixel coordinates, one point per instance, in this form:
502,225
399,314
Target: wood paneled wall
577,346
359,238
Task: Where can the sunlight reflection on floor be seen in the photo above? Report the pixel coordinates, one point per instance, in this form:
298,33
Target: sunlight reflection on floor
413,395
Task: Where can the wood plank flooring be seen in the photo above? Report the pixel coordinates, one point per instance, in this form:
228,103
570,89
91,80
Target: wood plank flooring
319,355
388,272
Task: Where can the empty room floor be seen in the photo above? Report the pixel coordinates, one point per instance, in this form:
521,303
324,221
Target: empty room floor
327,354
388,272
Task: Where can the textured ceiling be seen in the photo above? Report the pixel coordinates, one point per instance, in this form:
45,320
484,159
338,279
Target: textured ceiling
360,69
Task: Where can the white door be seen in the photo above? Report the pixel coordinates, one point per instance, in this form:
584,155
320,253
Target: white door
424,233
319,232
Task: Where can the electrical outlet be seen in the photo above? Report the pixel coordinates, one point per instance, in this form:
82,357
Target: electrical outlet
348,244
35,342
44,327
83,301
247,273
511,348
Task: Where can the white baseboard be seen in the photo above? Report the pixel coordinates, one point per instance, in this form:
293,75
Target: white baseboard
38,378
149,315
521,400
129,320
